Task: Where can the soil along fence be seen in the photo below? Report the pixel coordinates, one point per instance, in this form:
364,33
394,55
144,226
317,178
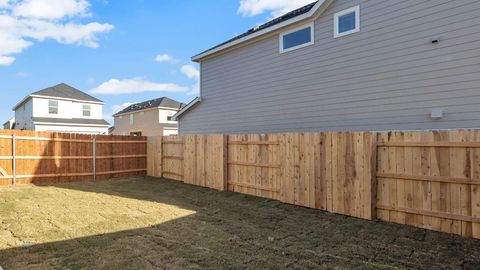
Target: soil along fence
424,179
42,157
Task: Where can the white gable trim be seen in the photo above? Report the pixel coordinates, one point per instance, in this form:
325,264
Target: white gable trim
262,32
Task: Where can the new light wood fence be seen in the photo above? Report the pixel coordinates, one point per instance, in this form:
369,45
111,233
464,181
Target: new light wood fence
430,180
424,179
42,157
329,171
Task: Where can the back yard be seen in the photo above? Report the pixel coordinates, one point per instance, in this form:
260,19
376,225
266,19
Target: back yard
146,223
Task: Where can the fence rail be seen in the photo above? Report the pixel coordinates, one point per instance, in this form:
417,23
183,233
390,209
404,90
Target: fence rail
41,157
425,179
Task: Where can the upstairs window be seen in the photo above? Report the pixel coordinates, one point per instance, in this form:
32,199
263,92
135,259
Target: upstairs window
53,106
347,22
87,110
131,119
297,38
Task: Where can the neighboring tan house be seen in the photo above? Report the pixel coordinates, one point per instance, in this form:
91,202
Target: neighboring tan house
61,108
149,118
345,65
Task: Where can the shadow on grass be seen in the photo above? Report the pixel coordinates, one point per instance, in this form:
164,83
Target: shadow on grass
232,230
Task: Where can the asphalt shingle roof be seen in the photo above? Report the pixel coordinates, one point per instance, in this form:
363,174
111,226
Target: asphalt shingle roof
66,91
154,103
288,16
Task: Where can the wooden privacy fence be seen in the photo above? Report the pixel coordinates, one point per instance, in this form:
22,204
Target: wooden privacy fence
42,157
430,180
301,169
424,179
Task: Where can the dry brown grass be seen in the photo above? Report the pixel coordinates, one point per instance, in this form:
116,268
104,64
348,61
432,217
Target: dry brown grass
155,224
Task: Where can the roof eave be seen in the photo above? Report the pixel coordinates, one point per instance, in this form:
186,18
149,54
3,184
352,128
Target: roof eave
186,108
69,124
197,58
21,102
100,102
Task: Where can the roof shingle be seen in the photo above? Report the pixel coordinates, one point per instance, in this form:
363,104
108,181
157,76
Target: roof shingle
154,103
288,16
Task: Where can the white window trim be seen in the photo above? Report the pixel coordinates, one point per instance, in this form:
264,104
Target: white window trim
312,33
337,15
51,100
89,110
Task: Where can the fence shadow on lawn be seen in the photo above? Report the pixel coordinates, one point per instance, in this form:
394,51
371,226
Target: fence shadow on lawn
231,230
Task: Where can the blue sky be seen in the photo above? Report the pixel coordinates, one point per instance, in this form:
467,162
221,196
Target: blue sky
122,51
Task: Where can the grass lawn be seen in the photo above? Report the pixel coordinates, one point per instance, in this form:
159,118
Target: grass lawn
146,223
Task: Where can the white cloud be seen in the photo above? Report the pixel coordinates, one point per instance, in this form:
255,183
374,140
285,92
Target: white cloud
51,9
140,85
115,109
275,7
6,60
119,107
135,85
165,58
24,22
192,73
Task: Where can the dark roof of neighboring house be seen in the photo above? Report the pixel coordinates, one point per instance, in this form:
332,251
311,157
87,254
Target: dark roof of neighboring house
66,91
288,16
154,103
74,121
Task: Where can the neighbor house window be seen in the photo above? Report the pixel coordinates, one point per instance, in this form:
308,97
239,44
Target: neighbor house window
86,110
169,118
347,22
131,119
53,107
297,38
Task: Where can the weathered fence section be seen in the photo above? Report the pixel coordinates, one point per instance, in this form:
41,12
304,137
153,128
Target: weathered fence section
430,180
42,157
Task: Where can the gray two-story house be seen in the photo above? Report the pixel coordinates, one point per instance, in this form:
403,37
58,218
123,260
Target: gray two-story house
345,65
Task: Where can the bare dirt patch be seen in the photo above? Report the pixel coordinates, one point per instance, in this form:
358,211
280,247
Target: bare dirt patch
145,223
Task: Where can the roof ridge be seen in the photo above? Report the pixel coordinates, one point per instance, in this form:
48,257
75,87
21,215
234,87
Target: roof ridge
152,103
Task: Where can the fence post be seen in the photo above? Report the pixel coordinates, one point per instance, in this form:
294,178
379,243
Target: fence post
225,163
14,155
374,168
94,157
159,159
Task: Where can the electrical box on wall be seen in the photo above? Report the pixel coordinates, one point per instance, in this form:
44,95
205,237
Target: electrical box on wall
437,113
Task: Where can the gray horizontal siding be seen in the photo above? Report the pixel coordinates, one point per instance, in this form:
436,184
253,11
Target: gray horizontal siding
387,77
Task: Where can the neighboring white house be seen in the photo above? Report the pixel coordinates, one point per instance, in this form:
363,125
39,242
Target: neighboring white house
61,108
10,124
149,118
